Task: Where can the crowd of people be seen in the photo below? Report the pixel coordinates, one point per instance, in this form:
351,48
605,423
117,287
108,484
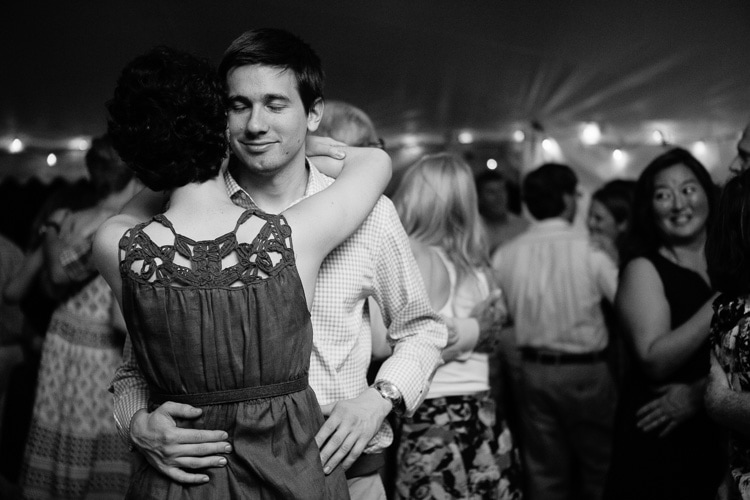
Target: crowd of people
269,325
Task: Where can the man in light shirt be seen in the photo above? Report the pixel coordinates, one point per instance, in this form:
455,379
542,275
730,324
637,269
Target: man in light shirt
554,280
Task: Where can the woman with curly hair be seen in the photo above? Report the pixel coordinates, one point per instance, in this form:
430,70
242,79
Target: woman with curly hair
215,297
448,449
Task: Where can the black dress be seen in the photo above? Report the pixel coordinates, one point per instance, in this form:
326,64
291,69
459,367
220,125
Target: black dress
688,463
234,341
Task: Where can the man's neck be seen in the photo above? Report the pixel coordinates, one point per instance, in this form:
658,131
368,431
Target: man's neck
272,192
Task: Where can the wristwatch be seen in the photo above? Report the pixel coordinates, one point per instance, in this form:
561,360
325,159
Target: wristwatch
391,393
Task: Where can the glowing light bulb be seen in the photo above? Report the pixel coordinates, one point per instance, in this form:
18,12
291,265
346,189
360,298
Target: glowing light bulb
79,143
465,138
492,164
619,159
699,148
591,134
51,160
658,136
410,141
519,136
547,145
16,146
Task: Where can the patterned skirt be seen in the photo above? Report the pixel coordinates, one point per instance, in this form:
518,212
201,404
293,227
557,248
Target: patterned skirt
448,450
73,450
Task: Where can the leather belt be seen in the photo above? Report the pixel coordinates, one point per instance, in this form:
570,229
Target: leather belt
561,358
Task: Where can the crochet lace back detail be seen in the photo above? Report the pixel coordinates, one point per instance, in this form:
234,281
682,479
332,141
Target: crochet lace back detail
221,262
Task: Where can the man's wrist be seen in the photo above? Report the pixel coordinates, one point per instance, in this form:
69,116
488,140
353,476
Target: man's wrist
391,394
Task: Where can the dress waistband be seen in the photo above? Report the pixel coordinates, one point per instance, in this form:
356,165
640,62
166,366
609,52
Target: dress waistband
233,395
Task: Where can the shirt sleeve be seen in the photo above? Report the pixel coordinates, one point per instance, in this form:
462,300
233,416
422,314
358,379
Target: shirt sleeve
415,331
77,262
130,391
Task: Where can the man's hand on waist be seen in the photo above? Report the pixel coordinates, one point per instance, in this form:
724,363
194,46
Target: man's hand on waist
350,426
171,449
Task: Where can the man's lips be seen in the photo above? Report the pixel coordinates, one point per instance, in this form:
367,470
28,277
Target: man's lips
257,147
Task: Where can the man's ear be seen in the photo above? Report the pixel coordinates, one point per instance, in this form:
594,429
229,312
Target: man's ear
315,114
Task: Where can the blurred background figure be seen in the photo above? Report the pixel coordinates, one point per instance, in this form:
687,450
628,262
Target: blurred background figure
39,285
11,352
609,214
665,446
348,124
496,196
742,160
11,317
554,281
607,221
449,445
72,449
728,390
500,223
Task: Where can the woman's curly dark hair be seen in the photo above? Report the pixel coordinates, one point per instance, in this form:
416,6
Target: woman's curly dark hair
167,119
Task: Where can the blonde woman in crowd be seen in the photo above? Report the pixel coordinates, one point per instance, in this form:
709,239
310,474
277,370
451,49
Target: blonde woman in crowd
448,449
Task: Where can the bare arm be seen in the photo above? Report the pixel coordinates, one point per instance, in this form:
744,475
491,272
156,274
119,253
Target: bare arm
726,406
644,312
324,220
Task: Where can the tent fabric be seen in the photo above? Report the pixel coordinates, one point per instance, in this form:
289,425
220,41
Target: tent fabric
422,69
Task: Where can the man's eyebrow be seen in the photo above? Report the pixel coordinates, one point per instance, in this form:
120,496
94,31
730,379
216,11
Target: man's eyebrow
239,98
275,97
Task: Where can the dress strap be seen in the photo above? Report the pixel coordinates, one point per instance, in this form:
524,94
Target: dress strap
162,219
243,218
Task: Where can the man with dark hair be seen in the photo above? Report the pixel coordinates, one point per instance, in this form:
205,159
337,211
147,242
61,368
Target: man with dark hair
274,87
501,224
554,281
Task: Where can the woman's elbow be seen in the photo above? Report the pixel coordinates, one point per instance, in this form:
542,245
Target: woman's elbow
655,370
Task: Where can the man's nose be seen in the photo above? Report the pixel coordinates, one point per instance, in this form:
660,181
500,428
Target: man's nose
256,122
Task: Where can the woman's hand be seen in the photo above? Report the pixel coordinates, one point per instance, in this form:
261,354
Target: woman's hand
491,314
326,154
677,403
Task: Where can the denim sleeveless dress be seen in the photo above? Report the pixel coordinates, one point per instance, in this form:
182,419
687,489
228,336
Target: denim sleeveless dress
236,342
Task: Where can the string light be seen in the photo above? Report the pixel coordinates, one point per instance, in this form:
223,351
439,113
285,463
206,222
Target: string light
51,160
699,148
16,146
591,134
492,164
465,138
79,143
519,136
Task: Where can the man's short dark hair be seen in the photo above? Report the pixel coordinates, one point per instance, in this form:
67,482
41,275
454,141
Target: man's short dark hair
281,49
545,187
488,176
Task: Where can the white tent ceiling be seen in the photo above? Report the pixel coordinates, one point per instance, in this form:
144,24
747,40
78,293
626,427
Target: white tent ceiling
424,70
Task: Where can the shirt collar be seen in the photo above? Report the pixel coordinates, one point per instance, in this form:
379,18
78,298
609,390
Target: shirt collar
316,181
551,224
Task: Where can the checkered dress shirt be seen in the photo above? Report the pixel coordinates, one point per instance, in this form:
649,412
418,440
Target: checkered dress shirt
375,261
